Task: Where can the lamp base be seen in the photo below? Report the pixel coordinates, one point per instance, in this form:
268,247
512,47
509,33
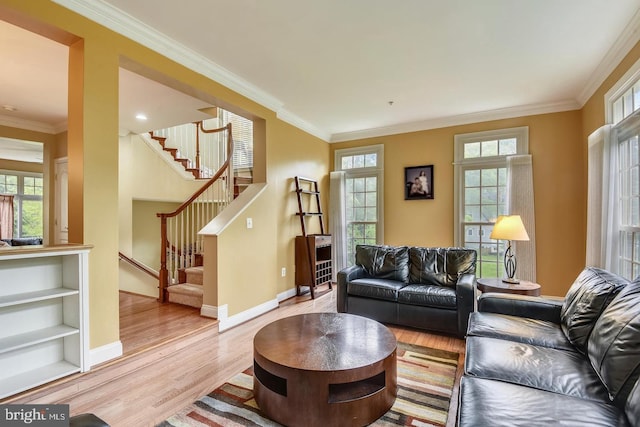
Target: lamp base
511,281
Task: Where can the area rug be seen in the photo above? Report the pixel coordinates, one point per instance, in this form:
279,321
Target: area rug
425,383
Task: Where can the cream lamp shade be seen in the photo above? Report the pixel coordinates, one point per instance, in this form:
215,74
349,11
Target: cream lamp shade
509,227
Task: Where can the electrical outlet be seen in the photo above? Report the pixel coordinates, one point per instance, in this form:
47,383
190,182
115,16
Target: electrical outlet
249,222
283,272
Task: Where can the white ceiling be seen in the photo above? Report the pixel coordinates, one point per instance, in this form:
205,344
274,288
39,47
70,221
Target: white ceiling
332,67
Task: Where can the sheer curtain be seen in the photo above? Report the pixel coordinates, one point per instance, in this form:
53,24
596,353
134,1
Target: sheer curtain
6,217
520,202
602,236
337,220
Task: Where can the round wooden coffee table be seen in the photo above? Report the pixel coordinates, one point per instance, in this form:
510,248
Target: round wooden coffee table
324,369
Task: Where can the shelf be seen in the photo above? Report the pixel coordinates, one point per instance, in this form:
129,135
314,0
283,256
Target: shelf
308,192
308,213
16,342
36,377
27,297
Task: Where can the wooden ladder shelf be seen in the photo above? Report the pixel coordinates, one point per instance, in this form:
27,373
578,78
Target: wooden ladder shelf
313,252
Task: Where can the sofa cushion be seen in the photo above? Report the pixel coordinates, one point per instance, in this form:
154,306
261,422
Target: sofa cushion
440,266
587,298
520,329
428,296
384,262
383,289
489,403
614,344
26,241
544,368
632,408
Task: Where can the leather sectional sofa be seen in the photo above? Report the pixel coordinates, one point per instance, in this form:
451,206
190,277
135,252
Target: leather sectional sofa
426,288
542,362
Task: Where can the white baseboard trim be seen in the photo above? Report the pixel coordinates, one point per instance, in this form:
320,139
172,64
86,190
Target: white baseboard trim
104,353
214,312
236,319
290,293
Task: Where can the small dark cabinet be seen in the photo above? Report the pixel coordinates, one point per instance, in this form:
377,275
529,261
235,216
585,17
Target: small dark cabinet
313,262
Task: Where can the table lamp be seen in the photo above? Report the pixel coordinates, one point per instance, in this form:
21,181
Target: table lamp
509,227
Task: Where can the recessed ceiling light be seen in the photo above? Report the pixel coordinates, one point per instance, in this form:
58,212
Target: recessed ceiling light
9,108
141,117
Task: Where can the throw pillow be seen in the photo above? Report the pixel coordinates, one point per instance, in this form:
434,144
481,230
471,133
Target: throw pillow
587,298
613,348
440,266
384,262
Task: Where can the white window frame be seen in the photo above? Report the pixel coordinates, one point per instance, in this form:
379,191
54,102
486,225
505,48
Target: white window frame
612,229
20,196
521,134
378,171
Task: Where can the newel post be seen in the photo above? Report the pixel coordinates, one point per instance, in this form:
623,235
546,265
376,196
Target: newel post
164,272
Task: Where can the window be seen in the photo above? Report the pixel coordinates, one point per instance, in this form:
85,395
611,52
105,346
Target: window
481,191
27,205
242,130
363,168
613,213
629,205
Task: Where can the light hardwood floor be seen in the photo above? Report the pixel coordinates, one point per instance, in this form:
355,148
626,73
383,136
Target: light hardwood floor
161,372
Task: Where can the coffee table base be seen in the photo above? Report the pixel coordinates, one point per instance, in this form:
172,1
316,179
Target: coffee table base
324,369
325,398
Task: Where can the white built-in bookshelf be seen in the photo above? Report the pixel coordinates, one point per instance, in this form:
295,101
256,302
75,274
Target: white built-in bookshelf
43,315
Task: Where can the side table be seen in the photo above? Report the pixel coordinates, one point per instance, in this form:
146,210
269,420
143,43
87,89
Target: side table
494,284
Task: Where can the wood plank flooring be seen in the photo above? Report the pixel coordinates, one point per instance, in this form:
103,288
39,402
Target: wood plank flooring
161,372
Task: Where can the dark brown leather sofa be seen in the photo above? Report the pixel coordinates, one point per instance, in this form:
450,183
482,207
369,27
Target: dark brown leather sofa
426,288
542,362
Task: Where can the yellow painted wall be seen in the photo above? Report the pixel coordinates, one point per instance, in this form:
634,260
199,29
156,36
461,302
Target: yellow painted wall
556,145
147,176
146,231
14,165
247,273
292,152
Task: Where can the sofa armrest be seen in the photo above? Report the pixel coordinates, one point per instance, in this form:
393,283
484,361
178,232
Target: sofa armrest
465,300
539,308
344,277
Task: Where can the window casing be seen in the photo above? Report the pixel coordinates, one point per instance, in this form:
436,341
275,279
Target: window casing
481,191
363,167
622,153
27,204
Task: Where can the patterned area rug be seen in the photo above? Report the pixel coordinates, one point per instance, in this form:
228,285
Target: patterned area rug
425,383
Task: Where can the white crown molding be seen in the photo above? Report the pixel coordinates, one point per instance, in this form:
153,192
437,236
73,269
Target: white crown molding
16,122
292,119
463,119
125,24
623,44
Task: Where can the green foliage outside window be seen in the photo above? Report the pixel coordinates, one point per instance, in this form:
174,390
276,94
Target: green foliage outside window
27,204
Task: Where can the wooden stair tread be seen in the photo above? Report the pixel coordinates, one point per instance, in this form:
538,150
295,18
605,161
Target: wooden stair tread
186,289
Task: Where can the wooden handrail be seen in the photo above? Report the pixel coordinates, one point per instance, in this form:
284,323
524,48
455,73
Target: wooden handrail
164,276
139,265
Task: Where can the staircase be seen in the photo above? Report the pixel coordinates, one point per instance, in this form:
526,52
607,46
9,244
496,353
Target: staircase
190,291
186,163
181,263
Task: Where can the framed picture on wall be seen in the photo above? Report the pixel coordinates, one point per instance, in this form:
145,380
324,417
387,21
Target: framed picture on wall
418,182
